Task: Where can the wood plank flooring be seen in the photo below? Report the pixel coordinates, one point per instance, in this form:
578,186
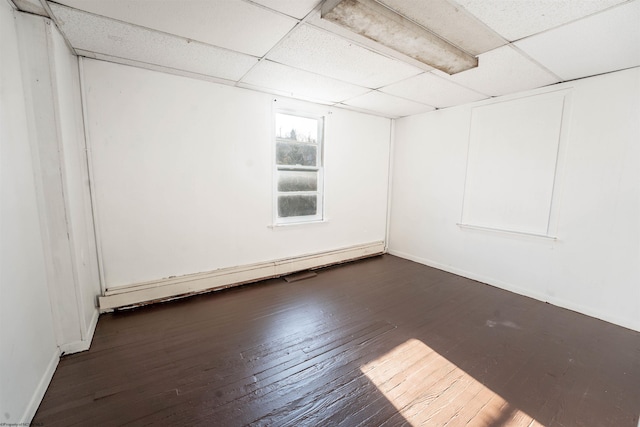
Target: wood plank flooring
379,342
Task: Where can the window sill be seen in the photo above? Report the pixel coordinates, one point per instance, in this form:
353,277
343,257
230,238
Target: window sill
294,224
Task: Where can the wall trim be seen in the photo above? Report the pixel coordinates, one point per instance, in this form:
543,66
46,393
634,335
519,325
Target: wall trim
92,325
226,277
85,343
74,347
559,302
40,390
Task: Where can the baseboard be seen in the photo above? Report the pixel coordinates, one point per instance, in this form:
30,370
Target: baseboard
520,291
92,325
223,278
85,344
41,389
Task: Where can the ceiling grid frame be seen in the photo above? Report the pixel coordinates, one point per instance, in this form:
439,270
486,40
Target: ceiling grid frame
450,90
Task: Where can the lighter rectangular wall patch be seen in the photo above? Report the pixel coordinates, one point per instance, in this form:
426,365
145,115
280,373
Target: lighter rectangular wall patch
512,163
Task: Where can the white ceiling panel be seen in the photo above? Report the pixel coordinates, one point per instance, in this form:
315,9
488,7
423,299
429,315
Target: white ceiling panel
296,83
450,22
153,67
503,71
94,33
295,8
232,24
598,44
388,105
517,19
223,40
321,52
430,89
352,37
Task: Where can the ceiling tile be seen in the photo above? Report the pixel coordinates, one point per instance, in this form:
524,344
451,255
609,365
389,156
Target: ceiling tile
94,33
296,8
321,52
517,19
153,67
316,21
450,22
231,24
433,90
601,43
388,105
300,84
503,71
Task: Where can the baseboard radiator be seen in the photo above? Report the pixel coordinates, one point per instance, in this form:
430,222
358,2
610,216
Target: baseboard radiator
178,287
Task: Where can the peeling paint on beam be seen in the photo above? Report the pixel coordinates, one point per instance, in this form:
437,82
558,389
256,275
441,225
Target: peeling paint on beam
382,25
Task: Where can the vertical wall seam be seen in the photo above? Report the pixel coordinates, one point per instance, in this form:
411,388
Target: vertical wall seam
392,131
466,167
82,324
558,177
92,192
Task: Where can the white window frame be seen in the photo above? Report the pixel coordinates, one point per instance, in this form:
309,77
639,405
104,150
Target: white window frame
319,216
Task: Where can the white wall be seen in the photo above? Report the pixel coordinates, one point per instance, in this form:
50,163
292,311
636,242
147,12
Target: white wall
54,116
28,351
75,175
594,265
48,277
182,176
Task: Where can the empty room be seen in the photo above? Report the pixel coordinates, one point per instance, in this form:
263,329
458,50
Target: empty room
320,212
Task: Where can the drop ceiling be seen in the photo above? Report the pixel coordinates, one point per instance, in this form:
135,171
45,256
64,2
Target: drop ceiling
284,47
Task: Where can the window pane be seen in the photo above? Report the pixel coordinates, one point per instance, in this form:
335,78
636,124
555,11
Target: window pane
297,181
297,205
300,129
291,153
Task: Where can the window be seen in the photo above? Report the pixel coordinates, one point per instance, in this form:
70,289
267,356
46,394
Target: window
298,168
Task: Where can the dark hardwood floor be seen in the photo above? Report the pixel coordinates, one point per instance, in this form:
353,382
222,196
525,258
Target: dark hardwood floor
382,341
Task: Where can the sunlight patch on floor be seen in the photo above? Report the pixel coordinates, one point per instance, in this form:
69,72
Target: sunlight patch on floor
427,389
